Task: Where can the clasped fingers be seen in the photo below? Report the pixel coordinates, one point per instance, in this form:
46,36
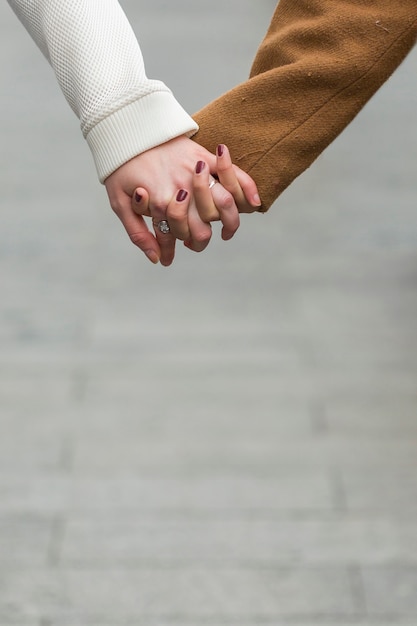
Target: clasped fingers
177,215
214,202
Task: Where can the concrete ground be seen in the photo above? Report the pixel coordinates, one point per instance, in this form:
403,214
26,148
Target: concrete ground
230,441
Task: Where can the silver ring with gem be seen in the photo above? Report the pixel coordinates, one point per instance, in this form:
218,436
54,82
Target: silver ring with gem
162,226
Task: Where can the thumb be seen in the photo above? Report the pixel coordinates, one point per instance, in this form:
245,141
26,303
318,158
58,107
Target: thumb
140,202
137,229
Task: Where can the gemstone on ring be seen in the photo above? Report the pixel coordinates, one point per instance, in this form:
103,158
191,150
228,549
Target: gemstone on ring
163,226
212,183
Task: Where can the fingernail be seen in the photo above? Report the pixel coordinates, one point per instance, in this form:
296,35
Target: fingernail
138,197
199,167
220,149
152,256
181,195
257,200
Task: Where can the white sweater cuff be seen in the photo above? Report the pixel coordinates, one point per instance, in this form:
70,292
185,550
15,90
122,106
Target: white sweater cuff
139,126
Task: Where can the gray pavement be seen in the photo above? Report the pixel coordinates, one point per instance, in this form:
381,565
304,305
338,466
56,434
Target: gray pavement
231,441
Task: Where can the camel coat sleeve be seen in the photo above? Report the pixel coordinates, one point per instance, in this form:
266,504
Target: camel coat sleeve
319,63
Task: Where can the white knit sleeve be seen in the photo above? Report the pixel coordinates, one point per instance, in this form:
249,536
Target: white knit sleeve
99,66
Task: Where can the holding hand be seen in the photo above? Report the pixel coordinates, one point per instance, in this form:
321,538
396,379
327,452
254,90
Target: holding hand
235,181
169,173
188,216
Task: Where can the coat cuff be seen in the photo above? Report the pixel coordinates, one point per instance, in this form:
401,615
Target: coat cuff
143,124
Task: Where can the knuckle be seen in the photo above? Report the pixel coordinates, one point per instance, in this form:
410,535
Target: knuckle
138,239
226,202
117,207
202,236
159,207
140,210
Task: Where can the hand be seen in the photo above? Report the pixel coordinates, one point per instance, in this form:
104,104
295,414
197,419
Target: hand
164,170
239,184
189,220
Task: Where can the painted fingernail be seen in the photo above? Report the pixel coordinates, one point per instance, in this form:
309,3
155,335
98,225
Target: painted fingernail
220,150
199,167
152,256
138,197
181,195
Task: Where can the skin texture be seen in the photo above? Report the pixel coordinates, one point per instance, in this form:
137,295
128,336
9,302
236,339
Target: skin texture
166,170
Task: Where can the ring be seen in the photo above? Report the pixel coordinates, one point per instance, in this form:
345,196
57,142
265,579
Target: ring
162,226
212,183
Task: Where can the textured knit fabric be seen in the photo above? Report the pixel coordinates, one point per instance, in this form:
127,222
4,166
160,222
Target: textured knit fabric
99,66
319,63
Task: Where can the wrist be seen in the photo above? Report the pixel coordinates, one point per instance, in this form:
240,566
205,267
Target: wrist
137,127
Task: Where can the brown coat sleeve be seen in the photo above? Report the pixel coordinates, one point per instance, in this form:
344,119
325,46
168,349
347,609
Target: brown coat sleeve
320,62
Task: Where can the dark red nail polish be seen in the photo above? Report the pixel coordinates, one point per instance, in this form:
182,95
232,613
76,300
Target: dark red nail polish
199,167
181,195
138,198
220,149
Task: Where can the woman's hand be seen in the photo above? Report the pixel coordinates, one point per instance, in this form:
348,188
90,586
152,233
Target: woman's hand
165,171
188,216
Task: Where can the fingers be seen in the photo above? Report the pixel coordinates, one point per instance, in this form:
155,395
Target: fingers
196,234
227,175
200,231
202,194
228,211
214,202
166,242
177,215
185,220
178,210
237,182
165,239
237,193
250,190
140,202
137,229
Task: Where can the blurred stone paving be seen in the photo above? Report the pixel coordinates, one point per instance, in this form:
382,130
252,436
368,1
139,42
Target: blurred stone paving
231,441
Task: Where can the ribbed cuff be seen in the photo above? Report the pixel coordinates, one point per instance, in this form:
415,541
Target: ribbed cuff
139,126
